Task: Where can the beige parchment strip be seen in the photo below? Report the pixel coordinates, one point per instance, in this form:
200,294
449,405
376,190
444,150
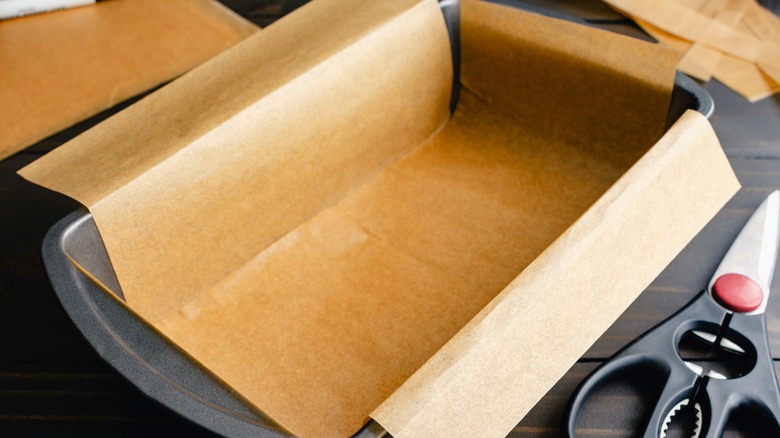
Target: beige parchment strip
744,77
693,26
763,23
700,60
674,42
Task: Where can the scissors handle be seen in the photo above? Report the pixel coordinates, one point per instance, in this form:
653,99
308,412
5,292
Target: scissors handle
655,354
639,357
757,390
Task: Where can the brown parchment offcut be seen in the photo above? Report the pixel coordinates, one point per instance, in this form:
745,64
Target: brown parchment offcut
735,41
62,67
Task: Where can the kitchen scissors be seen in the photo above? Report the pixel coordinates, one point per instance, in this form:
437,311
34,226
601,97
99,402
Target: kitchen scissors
729,316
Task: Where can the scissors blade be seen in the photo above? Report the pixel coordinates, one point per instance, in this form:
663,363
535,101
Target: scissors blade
753,254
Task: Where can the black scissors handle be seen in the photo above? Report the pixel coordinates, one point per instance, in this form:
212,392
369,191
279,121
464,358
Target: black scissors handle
656,354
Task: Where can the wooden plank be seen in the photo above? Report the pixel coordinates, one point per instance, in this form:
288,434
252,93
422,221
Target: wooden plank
736,120
28,307
80,403
263,12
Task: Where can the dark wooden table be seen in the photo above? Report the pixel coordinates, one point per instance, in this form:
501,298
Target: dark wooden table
53,384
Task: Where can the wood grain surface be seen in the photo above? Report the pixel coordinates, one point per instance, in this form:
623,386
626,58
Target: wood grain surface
53,384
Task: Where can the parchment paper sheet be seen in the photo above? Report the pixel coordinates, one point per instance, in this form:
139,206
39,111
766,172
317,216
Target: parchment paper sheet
735,41
318,229
59,68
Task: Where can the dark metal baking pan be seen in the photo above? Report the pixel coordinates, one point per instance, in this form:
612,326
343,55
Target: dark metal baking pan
156,366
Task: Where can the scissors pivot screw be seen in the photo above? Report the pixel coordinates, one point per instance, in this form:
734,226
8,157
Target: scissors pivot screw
737,293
